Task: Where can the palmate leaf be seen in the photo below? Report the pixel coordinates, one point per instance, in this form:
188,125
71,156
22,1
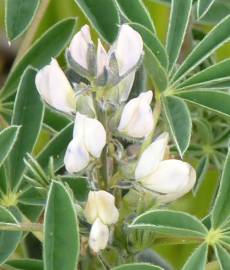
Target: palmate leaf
213,40
19,16
177,28
61,236
179,121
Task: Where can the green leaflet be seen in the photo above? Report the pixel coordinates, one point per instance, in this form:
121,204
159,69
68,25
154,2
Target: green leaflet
8,239
177,28
216,13
103,15
223,257
213,100
26,264
27,104
136,12
137,266
8,138
61,237
201,171
79,186
56,148
172,223
19,16
198,259
220,212
203,7
213,74
40,54
155,70
179,121
213,40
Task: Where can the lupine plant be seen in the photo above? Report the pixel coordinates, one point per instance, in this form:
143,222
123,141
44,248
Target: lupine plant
109,132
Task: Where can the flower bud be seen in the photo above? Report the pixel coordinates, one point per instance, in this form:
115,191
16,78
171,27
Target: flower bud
137,117
79,46
89,139
169,179
99,236
55,89
128,49
101,204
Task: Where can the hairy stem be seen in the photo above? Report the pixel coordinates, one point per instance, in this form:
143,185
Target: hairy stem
26,227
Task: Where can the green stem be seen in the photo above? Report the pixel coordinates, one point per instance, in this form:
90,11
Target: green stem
29,37
176,241
103,181
26,227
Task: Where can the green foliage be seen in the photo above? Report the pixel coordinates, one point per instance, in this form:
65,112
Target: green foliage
27,103
9,240
106,25
179,121
191,99
40,54
19,16
61,236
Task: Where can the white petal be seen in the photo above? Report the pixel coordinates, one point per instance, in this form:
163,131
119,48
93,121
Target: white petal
91,133
152,156
99,236
128,48
95,137
79,126
76,156
137,119
79,46
91,212
171,177
55,88
107,210
101,58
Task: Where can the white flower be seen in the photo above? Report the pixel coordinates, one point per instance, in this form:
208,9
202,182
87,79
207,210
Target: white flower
101,204
79,46
99,236
89,139
100,210
55,89
128,49
137,117
169,179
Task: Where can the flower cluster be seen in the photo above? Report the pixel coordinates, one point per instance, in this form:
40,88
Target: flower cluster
96,94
